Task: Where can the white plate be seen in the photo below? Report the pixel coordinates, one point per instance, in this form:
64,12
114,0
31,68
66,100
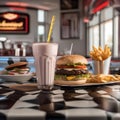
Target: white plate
17,78
86,84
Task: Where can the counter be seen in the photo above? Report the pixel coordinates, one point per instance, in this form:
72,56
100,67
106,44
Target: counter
25,101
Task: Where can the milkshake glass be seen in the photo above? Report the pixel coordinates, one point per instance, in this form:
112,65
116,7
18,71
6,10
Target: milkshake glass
45,61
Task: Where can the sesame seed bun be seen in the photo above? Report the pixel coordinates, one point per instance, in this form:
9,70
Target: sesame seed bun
17,64
71,59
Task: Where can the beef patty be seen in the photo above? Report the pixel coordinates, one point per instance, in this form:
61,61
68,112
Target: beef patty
71,72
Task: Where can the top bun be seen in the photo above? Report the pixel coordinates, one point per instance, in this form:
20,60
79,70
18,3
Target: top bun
17,64
71,59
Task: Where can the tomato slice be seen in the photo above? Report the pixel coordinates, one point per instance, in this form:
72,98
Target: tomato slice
79,66
72,66
11,73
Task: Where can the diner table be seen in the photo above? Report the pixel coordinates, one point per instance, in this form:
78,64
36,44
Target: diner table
26,102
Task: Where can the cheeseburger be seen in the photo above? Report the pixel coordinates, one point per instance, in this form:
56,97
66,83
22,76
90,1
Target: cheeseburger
71,69
17,68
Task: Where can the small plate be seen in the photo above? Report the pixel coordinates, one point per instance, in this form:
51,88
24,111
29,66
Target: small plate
17,78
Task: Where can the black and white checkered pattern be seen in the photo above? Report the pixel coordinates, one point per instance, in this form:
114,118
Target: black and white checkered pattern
92,103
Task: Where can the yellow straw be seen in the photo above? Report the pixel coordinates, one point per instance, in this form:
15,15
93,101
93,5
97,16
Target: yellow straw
51,28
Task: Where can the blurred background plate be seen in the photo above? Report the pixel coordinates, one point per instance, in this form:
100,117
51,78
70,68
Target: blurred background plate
17,78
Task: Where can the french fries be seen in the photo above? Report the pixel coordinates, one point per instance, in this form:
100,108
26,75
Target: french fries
100,54
101,78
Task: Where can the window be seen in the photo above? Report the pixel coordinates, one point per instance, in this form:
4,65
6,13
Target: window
94,36
103,29
107,33
41,25
116,43
41,16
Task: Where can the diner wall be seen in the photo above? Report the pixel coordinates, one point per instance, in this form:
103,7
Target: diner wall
79,45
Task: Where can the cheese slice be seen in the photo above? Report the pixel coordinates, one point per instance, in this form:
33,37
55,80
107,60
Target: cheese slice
70,77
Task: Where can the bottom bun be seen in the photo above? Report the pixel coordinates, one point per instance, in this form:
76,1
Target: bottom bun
72,82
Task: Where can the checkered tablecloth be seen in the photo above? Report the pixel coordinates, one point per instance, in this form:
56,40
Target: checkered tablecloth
26,102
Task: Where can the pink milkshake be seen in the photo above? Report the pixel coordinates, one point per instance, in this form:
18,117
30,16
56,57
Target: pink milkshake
45,61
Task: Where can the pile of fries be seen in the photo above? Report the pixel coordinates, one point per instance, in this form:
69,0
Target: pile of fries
101,78
100,54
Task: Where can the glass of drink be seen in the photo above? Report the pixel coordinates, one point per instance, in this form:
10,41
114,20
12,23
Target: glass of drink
45,62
